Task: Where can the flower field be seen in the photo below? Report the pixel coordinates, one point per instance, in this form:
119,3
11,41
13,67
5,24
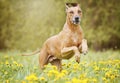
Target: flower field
95,67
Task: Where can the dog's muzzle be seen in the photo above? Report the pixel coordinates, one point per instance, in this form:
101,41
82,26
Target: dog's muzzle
76,20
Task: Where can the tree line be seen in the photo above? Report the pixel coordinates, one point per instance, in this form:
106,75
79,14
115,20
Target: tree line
26,24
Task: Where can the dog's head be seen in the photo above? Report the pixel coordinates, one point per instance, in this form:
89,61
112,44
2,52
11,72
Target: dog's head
74,12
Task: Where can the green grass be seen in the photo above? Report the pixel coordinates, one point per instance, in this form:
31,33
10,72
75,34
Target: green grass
95,67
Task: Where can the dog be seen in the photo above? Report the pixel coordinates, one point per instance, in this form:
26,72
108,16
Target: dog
68,43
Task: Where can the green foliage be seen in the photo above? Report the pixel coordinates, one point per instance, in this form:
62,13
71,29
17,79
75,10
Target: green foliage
27,24
101,23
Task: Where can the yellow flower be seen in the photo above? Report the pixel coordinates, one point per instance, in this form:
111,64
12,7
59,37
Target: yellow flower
83,76
118,66
5,72
23,82
68,65
101,62
52,73
7,81
32,77
20,65
84,81
6,57
42,78
35,67
7,63
64,71
60,75
68,82
54,67
75,80
76,66
63,64
104,79
96,68
94,80
14,62
112,77
107,74
105,69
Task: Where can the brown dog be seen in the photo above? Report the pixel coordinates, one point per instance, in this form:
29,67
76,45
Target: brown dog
67,43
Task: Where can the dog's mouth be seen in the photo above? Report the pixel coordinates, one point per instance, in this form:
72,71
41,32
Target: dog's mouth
76,22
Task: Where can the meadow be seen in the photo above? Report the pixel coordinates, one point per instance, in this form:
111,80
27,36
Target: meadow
26,24
95,67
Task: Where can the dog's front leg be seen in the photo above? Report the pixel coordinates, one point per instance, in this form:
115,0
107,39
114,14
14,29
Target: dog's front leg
83,48
66,51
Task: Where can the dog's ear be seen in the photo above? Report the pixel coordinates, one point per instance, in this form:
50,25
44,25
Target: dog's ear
68,5
71,5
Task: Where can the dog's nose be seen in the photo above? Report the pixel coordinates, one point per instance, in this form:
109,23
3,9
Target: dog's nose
77,18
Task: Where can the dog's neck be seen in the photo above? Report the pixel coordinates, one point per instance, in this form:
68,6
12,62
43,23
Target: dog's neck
71,26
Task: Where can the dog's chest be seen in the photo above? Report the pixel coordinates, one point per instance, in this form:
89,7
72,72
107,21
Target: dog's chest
75,38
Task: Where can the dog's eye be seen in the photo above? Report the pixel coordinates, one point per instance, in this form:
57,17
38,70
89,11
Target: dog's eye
71,12
79,11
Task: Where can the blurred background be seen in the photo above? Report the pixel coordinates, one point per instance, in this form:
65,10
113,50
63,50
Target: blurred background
26,24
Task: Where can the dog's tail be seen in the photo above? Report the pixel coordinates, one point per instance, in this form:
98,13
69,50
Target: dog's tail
33,53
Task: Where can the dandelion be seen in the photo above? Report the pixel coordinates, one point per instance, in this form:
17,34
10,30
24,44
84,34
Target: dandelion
107,74
104,79
5,72
94,80
60,75
52,72
14,62
6,57
69,64
23,82
54,67
105,69
84,80
96,68
42,79
64,71
63,64
76,66
7,81
68,82
112,77
20,65
83,75
35,67
75,80
31,77
7,63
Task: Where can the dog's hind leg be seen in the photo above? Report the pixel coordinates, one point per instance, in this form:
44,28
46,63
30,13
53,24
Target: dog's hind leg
43,58
57,63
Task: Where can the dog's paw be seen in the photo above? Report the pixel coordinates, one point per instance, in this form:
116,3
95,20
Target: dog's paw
77,58
84,52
